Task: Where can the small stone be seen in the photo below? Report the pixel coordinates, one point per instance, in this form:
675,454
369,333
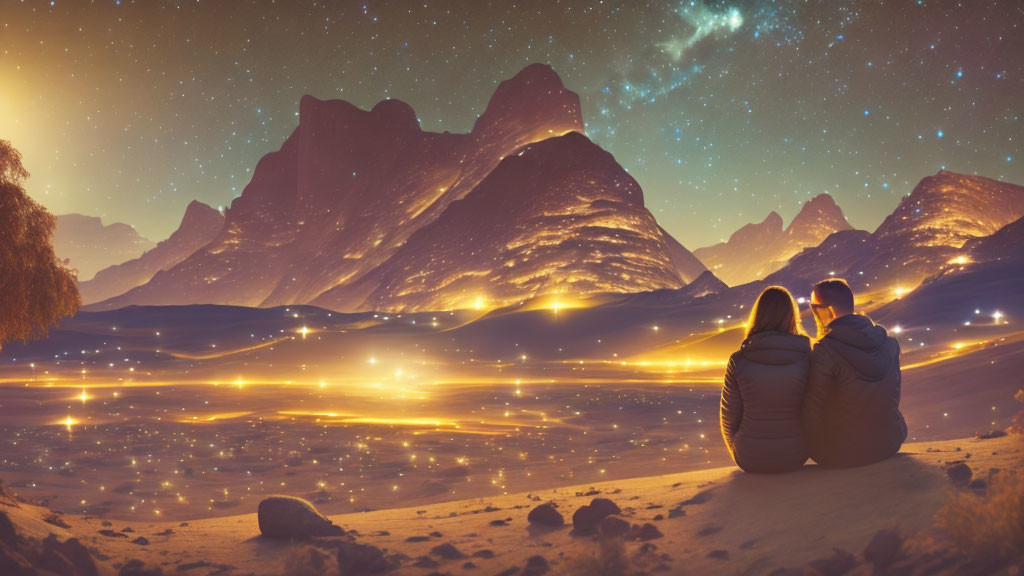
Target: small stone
719,554
546,515
499,522
959,473
709,530
535,566
883,549
141,541
287,517
136,567
447,551
425,562
469,566
993,434
417,538
483,554
111,534
699,498
676,512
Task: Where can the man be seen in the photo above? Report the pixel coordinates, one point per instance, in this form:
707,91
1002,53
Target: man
851,408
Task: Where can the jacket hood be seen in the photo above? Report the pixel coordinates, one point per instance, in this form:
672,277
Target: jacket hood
775,348
862,344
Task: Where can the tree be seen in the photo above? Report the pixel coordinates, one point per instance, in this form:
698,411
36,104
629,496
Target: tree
36,289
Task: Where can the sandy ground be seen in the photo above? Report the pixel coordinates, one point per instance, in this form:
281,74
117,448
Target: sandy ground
761,522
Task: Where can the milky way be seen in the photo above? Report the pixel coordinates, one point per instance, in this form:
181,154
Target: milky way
721,110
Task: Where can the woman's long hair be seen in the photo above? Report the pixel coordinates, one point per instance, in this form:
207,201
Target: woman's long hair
775,310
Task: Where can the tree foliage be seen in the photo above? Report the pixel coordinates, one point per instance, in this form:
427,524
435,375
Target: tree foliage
36,289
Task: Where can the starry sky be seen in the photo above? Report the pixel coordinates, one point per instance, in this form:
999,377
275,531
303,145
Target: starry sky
722,110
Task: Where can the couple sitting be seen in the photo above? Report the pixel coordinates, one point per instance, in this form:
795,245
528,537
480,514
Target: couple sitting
837,402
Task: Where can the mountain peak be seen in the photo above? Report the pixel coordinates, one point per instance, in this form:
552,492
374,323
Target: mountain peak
773,219
817,213
535,97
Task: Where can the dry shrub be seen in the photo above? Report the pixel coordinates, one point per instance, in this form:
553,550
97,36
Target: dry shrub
309,561
989,528
612,559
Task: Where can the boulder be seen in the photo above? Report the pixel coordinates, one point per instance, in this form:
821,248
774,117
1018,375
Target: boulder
585,519
287,517
546,515
613,527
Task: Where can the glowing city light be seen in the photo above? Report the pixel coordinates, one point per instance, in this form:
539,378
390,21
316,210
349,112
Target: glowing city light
897,329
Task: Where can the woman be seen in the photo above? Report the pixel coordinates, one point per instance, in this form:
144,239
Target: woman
764,388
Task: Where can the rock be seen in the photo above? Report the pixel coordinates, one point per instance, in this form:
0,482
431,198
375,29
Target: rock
604,507
111,534
138,568
469,566
612,527
647,532
535,566
508,572
68,557
585,519
719,554
993,434
141,541
839,563
483,554
883,549
417,539
959,473
676,512
425,562
499,522
709,530
355,558
56,520
287,517
447,551
127,529
546,515
699,498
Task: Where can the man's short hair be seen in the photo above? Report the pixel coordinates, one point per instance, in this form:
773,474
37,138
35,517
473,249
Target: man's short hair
835,292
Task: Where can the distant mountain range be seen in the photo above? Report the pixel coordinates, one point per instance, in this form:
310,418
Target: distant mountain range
756,250
362,209
931,231
200,224
89,245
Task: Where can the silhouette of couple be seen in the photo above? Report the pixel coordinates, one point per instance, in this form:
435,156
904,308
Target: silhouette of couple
836,402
